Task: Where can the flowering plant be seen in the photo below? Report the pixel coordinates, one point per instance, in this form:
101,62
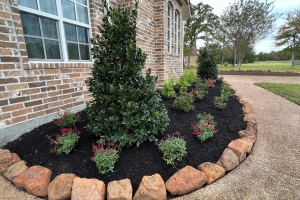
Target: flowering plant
65,142
205,128
67,119
105,156
173,148
184,102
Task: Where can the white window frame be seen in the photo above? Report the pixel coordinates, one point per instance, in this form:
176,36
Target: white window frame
176,30
60,21
170,28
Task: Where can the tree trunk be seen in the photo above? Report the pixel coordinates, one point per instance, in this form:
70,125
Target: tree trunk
234,60
293,59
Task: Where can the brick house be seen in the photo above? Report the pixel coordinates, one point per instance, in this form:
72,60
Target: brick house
45,54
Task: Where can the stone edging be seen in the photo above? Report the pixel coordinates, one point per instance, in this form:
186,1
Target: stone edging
36,179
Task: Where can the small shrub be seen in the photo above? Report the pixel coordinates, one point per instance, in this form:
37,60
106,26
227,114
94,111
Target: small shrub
220,101
205,128
105,157
173,148
67,119
226,90
184,102
211,83
65,142
207,67
220,79
187,79
167,90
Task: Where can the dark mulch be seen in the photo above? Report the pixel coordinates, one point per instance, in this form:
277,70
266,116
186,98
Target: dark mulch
134,163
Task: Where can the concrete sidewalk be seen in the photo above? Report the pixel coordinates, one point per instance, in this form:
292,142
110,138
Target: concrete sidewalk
272,170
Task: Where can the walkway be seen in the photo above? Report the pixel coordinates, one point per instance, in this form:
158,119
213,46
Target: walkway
272,170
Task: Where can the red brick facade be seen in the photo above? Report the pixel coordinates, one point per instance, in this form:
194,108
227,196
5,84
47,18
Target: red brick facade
35,89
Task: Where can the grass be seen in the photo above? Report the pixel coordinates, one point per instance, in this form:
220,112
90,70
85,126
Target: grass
266,65
290,92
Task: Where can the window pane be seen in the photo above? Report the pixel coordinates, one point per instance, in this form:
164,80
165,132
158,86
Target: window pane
82,35
28,3
82,14
81,1
73,51
70,31
68,9
48,6
49,28
52,49
84,52
30,24
34,47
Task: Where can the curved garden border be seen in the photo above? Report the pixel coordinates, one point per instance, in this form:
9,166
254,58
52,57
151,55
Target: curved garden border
36,179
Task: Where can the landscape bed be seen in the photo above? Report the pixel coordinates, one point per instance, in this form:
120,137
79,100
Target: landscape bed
136,162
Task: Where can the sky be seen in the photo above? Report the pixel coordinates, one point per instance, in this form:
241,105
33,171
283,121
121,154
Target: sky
266,45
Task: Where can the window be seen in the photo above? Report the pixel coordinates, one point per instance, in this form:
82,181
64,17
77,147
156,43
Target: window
170,27
176,31
56,29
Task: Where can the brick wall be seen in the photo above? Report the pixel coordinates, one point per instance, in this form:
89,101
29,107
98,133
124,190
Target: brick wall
33,90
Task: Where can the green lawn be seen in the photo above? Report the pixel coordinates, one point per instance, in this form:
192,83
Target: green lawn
273,66
290,92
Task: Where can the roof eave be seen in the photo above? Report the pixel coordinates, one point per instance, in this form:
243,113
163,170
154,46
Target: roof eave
186,10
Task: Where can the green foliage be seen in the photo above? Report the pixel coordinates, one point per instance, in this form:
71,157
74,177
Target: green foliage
168,88
205,128
187,79
184,102
207,68
67,119
220,79
221,101
65,142
200,89
125,106
173,148
105,157
226,90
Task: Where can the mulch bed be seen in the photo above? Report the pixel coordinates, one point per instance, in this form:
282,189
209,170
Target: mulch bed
134,163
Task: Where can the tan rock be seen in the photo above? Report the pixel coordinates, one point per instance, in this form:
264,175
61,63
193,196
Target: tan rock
247,108
185,181
212,171
248,135
249,118
15,170
248,143
252,125
88,189
238,148
119,190
60,188
243,101
34,180
6,160
151,188
2,151
228,160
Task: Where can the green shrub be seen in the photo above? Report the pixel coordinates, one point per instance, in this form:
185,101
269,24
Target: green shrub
205,128
207,67
125,108
221,101
220,79
200,89
184,102
187,79
167,90
226,90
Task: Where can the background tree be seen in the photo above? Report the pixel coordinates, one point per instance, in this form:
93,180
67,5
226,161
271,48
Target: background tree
199,26
289,33
246,23
207,67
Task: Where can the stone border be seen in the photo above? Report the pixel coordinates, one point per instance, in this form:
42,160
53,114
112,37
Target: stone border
36,179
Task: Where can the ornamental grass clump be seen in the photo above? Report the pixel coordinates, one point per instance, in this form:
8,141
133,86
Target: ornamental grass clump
67,119
205,127
105,156
126,107
173,148
65,142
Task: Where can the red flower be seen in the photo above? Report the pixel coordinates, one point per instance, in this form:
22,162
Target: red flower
46,136
64,130
78,117
110,153
58,122
78,132
112,144
92,158
51,142
65,115
102,144
62,134
53,150
56,138
102,151
70,130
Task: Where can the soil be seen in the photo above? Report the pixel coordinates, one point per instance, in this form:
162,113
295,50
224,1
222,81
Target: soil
134,163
